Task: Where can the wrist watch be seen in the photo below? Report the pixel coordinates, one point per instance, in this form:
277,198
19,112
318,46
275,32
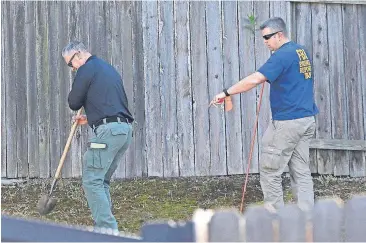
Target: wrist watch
226,93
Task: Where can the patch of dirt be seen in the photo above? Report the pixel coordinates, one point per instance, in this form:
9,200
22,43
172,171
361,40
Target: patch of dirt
137,201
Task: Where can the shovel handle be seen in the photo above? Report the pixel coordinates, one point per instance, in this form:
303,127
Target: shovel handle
67,146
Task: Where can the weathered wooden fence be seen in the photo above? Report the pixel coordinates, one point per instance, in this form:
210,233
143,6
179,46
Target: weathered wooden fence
331,220
174,56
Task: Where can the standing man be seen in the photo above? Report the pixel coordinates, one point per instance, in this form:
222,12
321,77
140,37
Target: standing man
286,140
99,89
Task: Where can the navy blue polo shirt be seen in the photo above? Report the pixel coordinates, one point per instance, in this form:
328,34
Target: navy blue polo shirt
99,88
289,71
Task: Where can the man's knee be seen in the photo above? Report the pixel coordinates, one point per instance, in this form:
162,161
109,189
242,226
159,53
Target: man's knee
91,183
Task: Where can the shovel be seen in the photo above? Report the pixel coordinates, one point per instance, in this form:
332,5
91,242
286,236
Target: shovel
46,203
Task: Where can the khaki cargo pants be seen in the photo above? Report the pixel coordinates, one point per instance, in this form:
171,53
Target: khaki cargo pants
287,143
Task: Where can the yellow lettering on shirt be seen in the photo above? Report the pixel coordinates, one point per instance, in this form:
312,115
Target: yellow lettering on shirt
304,63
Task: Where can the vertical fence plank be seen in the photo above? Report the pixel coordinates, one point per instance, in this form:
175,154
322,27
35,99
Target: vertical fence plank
64,77
68,79
215,85
362,52
21,89
354,87
231,75
55,83
355,219
257,221
127,67
303,28
184,89
248,99
43,84
337,86
108,12
292,223
139,90
75,153
261,11
200,92
84,27
152,91
116,22
98,31
80,140
280,9
3,106
168,89
31,80
226,226
327,220
5,70
321,84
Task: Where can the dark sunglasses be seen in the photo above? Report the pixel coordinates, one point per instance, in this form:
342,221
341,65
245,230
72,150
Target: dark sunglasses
70,62
267,37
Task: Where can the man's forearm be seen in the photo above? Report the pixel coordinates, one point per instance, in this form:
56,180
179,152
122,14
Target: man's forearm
75,101
247,83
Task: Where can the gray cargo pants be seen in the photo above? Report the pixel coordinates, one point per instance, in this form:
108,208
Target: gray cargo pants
287,143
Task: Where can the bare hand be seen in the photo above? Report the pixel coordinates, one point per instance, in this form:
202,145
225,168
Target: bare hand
218,99
81,120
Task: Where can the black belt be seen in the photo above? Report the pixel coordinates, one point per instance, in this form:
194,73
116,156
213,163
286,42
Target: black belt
109,120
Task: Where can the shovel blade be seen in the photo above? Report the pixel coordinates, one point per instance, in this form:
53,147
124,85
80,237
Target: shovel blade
46,204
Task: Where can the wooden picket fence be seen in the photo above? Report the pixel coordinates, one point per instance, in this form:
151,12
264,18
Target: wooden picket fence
331,220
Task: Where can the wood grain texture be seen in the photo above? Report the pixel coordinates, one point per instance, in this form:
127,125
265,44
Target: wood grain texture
82,34
125,26
115,23
184,89
234,146
337,86
168,89
31,79
65,77
338,144
139,90
321,80
261,11
248,99
362,51
21,89
152,100
55,85
174,57
199,87
354,87
5,64
74,155
215,77
43,85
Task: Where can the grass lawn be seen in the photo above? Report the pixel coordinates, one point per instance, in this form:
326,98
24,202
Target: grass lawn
142,200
